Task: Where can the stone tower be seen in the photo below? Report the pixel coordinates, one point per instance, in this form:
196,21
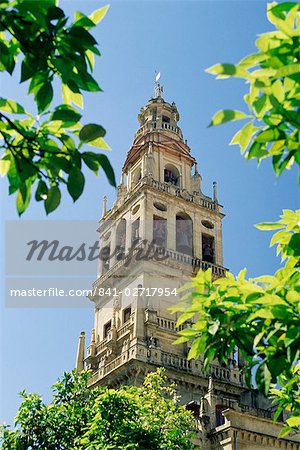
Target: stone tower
159,232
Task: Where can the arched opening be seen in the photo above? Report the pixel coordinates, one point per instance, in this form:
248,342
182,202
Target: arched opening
184,234
121,239
220,419
126,314
136,176
135,230
105,256
208,248
171,175
159,231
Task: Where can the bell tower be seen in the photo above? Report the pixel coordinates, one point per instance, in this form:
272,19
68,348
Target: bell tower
159,232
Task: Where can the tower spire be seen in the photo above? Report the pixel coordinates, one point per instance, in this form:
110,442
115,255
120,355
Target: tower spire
80,352
158,88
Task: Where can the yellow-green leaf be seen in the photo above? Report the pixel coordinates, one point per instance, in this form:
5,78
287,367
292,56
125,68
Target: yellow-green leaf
278,91
227,115
99,14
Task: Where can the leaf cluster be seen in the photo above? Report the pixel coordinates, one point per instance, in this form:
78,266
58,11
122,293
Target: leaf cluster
45,149
273,100
259,316
81,418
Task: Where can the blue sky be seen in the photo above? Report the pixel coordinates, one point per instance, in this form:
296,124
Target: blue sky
180,39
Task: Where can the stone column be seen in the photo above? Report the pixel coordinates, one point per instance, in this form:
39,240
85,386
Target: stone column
128,233
171,238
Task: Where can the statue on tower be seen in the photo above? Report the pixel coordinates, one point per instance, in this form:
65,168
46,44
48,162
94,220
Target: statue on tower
158,89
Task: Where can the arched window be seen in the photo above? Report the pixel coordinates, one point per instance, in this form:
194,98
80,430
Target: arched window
184,234
126,314
220,419
159,231
121,239
208,248
105,256
136,176
135,230
171,175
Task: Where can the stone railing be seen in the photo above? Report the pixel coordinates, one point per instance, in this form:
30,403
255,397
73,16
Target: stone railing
101,345
126,328
119,264
156,127
220,373
194,263
159,357
168,324
196,367
178,362
204,202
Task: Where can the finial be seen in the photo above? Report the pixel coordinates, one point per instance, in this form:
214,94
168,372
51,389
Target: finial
104,204
158,89
196,169
215,192
210,385
80,353
202,408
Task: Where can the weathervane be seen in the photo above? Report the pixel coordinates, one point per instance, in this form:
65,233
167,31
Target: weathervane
158,89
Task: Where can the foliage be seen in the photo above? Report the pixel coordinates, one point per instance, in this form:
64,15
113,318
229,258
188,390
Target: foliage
44,149
260,316
81,418
273,100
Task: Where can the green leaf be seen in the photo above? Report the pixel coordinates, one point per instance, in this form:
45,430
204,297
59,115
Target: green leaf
11,106
197,348
107,167
83,36
294,421
99,14
288,70
257,150
53,199
260,105
28,68
41,191
227,115
44,97
294,245
68,115
284,431
7,61
85,81
91,132
4,165
23,197
278,90
99,143
270,134
263,378
91,161
269,225
75,183
230,70
243,136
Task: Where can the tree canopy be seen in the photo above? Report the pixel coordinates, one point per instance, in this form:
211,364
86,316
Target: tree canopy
260,316
43,149
81,418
